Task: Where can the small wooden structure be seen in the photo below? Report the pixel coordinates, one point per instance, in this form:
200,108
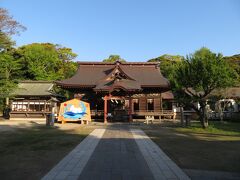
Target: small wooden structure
33,100
74,110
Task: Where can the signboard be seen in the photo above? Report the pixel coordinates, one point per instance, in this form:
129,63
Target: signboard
74,110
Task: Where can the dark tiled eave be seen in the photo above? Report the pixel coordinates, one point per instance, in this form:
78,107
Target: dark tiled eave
74,85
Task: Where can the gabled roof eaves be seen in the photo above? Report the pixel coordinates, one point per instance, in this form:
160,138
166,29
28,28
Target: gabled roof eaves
93,63
91,73
34,88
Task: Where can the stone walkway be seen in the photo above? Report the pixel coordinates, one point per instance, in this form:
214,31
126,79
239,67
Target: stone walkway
71,166
116,157
161,165
117,153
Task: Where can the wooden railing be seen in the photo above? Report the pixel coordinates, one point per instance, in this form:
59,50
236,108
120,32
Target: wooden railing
153,112
162,114
28,114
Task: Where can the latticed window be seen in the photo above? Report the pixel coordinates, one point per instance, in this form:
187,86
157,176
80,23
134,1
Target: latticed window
31,106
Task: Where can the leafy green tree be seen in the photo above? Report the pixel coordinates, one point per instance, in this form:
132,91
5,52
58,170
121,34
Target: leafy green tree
234,62
197,76
167,63
114,58
67,67
9,65
45,61
5,42
40,61
9,72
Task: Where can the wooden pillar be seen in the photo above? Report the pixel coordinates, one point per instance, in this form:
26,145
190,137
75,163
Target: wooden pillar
161,104
130,109
142,104
28,106
105,109
45,106
157,104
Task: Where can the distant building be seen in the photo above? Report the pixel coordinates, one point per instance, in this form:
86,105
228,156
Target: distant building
32,99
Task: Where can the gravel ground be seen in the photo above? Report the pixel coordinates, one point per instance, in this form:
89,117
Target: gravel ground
12,125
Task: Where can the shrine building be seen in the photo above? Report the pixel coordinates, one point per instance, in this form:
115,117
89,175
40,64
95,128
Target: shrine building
122,90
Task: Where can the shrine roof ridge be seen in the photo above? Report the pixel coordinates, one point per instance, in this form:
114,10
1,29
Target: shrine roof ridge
36,81
113,63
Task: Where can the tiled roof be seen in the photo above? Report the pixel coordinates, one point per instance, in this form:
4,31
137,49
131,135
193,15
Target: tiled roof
168,95
231,92
34,88
89,74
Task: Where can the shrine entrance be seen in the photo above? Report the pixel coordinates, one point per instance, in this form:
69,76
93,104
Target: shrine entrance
116,109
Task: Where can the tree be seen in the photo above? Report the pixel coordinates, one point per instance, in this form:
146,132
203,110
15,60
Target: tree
5,42
234,62
114,58
67,67
197,76
9,72
46,61
167,63
9,65
8,25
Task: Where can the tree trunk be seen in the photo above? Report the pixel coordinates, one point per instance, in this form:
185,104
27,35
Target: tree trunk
7,101
221,116
203,117
220,111
205,123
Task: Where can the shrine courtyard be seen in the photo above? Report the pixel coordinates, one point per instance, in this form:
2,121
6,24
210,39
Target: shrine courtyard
119,151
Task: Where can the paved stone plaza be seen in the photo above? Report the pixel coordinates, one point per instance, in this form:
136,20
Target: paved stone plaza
116,153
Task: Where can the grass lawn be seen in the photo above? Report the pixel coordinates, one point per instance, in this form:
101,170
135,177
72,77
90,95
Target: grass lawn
29,153
216,148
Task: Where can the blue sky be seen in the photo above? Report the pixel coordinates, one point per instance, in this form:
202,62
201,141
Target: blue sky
137,30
